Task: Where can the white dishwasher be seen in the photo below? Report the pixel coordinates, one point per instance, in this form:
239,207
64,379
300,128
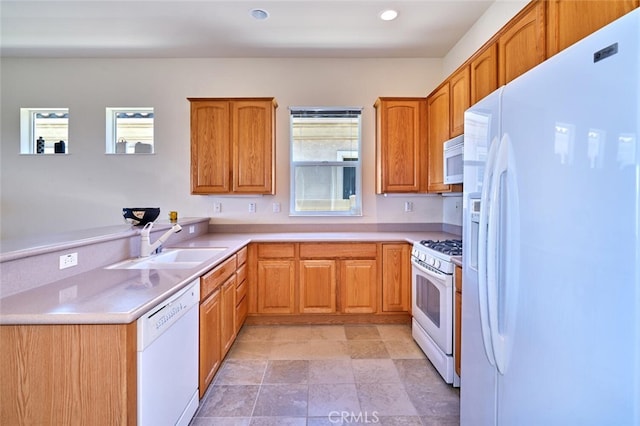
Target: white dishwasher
168,360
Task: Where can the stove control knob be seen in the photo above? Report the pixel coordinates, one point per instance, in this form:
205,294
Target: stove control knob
432,261
422,257
436,263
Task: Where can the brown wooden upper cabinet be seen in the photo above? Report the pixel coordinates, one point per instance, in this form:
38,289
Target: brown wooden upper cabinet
484,72
459,91
438,118
521,43
401,145
232,145
571,20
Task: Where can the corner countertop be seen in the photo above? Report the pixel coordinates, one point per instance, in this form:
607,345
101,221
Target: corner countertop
120,296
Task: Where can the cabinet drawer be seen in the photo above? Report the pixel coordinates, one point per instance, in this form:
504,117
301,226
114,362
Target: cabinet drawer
276,250
217,276
242,273
241,312
242,256
241,290
338,250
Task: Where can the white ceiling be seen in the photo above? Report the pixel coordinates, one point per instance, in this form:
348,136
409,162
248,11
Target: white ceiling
224,28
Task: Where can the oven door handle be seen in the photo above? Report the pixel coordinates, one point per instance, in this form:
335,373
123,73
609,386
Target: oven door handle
432,274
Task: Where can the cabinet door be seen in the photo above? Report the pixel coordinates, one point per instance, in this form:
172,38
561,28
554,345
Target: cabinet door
210,147
275,284
484,73
396,277
521,45
460,91
438,115
253,137
358,286
400,144
317,286
227,315
571,20
210,355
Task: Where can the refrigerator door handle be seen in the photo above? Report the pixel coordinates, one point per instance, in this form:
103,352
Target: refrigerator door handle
503,237
485,209
495,255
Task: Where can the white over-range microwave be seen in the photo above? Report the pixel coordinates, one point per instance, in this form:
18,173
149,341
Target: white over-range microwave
452,161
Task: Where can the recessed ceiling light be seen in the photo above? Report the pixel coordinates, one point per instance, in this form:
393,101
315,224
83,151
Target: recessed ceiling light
388,15
259,14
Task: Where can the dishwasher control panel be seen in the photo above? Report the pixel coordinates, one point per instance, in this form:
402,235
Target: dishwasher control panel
162,316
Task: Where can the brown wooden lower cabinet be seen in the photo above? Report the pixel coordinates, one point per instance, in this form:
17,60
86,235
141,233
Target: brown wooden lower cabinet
329,281
358,284
275,286
317,286
210,353
68,374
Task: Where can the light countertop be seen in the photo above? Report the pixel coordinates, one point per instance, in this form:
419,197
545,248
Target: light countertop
119,296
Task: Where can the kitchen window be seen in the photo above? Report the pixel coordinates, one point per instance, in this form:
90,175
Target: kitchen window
44,130
325,161
129,131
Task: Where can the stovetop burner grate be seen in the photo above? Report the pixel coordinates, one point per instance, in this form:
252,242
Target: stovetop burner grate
449,247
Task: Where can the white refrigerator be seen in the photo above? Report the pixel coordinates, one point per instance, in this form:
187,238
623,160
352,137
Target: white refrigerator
551,231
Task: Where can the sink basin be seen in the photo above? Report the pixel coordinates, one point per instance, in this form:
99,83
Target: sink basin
171,259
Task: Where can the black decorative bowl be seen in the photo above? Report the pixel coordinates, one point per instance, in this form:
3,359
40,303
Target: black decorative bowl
140,216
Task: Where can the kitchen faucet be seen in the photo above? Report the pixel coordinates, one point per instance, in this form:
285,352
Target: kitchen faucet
146,248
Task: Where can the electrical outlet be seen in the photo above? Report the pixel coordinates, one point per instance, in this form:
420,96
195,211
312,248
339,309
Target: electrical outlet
68,260
217,207
408,206
252,207
276,207
192,229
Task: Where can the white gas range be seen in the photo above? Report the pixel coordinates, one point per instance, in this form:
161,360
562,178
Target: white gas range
432,302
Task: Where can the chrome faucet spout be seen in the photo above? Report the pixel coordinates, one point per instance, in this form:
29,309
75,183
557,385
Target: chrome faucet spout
146,248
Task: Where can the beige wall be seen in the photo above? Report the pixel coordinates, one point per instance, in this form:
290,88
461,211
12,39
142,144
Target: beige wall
498,14
47,194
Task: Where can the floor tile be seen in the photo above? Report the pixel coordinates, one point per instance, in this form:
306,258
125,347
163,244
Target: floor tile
330,371
361,332
309,332
421,372
278,421
256,333
375,371
311,349
287,371
385,399
220,421
241,372
327,399
229,401
395,332
250,349
443,402
359,349
288,400
315,375
403,349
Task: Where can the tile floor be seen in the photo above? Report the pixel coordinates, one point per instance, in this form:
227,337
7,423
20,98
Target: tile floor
327,375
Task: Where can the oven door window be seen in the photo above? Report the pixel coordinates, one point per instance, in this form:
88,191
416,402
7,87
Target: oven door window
428,299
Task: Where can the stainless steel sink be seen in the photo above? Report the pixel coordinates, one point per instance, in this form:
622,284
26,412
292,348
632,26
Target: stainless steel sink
171,259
